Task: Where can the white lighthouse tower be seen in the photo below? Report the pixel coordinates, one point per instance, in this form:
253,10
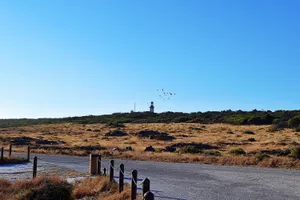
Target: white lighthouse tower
152,107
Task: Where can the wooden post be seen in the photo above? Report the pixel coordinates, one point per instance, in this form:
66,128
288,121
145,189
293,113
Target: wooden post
34,166
93,164
121,178
10,149
104,171
99,165
2,154
146,186
28,153
133,184
149,196
111,170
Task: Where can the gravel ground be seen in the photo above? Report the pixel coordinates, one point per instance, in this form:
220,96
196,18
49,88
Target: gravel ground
24,171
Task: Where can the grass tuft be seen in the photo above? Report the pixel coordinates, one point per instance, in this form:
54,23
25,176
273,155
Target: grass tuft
237,152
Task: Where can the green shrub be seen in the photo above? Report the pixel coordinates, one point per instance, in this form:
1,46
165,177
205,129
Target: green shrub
195,128
180,119
276,121
190,149
273,128
297,129
50,191
237,152
212,153
262,156
294,122
295,152
254,120
115,124
249,132
283,124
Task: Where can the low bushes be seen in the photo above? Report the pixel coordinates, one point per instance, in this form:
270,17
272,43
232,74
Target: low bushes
189,149
212,153
249,132
50,190
236,152
294,122
297,129
251,139
13,160
45,188
36,189
295,152
278,125
262,156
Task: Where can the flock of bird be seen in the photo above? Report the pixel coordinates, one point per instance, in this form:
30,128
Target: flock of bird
165,95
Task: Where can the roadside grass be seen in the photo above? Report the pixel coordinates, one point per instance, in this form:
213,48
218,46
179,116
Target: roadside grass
53,188
81,139
13,160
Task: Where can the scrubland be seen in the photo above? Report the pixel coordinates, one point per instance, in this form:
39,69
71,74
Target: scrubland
220,144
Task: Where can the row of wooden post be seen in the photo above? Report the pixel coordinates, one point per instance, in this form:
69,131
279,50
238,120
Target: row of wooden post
10,152
147,194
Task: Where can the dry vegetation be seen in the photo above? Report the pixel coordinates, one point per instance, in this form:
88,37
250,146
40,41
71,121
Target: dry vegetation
260,145
12,160
45,188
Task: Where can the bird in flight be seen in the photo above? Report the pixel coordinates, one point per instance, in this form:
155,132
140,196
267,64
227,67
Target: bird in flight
165,95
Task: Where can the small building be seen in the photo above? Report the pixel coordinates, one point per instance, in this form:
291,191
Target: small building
152,107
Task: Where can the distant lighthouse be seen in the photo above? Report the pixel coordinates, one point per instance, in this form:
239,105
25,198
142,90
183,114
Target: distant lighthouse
152,107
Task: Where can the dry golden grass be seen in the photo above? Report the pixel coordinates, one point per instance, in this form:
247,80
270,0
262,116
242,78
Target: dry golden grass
43,188
19,189
13,160
100,188
223,136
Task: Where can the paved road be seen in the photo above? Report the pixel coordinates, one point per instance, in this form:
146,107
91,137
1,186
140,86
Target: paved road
179,181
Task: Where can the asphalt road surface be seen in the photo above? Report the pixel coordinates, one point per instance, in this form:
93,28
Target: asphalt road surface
180,181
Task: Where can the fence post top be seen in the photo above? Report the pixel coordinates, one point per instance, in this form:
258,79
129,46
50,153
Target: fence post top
146,180
121,165
148,194
112,161
134,171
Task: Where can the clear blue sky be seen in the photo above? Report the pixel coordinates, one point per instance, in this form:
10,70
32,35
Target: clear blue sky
72,58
